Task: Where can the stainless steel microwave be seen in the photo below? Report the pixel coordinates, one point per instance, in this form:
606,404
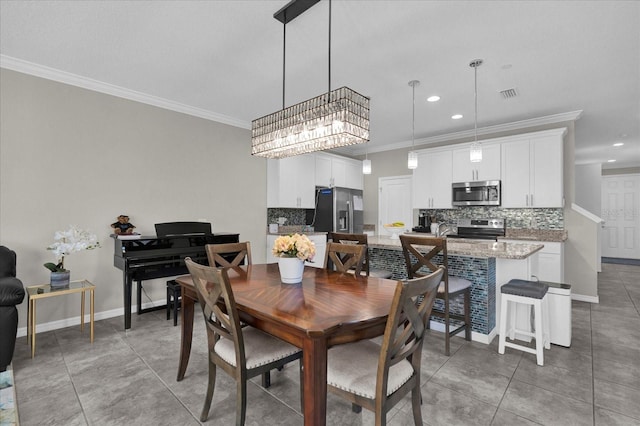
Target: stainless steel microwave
482,193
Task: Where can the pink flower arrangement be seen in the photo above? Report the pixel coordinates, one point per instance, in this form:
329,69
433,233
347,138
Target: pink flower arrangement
296,245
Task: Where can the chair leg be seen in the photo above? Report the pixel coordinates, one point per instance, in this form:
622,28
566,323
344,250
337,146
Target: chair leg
416,401
504,314
539,333
447,348
266,379
241,402
210,388
467,314
301,385
168,302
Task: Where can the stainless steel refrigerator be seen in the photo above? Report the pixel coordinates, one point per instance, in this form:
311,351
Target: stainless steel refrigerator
339,210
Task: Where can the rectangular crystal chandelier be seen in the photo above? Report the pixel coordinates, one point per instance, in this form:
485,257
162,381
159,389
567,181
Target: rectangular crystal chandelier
332,120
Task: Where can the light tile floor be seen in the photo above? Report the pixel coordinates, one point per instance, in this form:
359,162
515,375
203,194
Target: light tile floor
129,377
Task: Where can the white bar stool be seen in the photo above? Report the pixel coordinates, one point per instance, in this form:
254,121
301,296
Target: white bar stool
531,293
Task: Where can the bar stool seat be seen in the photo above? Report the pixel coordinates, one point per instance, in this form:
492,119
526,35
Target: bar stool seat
530,293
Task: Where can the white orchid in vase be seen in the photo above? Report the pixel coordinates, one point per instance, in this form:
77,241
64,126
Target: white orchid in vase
70,241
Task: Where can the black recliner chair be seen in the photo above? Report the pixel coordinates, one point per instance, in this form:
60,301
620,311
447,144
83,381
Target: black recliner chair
11,294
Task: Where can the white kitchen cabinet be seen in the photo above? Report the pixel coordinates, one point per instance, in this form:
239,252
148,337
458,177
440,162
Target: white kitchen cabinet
320,241
335,171
463,170
550,265
432,179
291,182
532,170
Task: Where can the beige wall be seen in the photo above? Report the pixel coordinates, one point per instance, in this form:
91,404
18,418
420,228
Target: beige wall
73,156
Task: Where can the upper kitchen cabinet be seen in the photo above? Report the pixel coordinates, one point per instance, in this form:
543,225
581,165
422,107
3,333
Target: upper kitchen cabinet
532,170
291,182
487,169
335,171
432,179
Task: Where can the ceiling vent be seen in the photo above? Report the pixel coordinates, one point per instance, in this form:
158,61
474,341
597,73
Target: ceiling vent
509,93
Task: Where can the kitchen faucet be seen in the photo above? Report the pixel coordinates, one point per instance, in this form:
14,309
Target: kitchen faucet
446,230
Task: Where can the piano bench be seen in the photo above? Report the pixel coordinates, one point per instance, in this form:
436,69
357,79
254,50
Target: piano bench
173,300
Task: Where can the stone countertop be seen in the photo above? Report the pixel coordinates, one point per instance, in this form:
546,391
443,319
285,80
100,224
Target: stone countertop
550,235
473,248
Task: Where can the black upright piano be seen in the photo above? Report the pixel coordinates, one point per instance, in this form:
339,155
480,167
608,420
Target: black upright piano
144,258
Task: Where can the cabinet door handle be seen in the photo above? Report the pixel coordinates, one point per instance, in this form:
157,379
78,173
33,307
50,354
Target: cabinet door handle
531,200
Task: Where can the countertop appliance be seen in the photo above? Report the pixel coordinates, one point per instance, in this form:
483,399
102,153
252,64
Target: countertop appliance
424,224
339,210
481,193
480,229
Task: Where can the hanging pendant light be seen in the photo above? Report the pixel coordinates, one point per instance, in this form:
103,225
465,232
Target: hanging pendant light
337,118
366,165
412,159
475,153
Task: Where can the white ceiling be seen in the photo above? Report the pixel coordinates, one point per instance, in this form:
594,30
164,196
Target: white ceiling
223,60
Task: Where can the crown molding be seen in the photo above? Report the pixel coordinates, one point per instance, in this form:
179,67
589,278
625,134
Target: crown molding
60,76
489,130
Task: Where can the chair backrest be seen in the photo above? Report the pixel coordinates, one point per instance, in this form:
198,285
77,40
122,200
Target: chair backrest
420,252
344,238
213,286
345,256
406,325
216,254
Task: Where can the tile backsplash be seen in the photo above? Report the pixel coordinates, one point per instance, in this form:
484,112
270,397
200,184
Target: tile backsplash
515,218
292,216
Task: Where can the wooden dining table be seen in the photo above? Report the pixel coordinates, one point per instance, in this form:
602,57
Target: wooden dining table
328,308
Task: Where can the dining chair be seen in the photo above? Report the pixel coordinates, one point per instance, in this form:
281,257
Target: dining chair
419,253
216,254
346,238
345,257
242,353
377,377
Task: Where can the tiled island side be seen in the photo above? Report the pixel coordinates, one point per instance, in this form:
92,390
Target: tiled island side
478,261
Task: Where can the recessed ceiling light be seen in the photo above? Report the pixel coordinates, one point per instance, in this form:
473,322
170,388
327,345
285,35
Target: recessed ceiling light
434,98
456,116
618,144
611,161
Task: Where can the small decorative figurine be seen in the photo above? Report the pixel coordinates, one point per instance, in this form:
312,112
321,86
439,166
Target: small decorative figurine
122,226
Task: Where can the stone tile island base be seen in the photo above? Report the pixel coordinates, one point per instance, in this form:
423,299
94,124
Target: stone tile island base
480,271
478,261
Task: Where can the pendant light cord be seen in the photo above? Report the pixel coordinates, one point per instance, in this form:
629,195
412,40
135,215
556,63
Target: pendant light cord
413,118
475,91
284,57
329,46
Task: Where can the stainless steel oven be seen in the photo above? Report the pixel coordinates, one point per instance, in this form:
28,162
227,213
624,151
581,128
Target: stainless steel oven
482,193
480,229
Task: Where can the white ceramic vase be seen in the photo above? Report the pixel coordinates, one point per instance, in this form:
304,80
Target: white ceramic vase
291,270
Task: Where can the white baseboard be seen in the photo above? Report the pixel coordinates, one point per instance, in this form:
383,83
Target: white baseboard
583,298
68,322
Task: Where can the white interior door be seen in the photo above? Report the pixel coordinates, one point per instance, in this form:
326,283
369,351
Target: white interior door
621,215
394,202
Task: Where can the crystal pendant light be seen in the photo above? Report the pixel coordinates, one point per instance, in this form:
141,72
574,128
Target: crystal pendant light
475,153
412,160
333,119
366,165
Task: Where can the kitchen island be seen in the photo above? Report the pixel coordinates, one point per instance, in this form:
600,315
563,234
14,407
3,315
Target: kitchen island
487,264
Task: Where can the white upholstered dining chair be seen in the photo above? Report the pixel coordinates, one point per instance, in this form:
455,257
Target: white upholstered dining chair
378,377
